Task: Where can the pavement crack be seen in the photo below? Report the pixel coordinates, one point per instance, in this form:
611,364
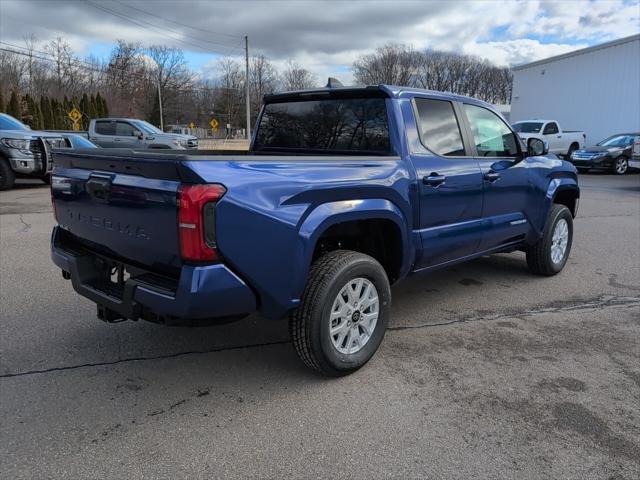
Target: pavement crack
589,304
25,226
140,359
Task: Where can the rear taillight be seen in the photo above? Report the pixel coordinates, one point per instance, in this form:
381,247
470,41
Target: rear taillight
197,221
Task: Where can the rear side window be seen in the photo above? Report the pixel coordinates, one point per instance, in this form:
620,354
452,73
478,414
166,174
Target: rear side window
351,125
491,135
124,129
105,128
439,130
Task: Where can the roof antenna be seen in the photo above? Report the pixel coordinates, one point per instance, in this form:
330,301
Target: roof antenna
333,83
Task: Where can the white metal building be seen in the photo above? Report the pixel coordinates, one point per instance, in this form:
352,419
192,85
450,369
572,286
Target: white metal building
596,89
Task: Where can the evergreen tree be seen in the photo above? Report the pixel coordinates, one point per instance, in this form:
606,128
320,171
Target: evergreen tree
84,108
13,107
26,108
47,114
39,115
93,111
154,114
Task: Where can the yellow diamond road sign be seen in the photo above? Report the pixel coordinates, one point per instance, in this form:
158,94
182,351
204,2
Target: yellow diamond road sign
214,123
192,125
75,115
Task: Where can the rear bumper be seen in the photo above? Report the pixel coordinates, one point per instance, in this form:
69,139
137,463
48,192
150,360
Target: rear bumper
200,293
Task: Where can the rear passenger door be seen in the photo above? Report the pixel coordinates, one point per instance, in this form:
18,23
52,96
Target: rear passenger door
504,177
449,184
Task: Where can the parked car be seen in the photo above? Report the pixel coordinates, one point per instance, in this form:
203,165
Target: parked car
24,153
78,141
344,192
561,142
613,153
134,133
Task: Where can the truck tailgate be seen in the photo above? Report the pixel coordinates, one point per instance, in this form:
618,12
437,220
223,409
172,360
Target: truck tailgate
127,215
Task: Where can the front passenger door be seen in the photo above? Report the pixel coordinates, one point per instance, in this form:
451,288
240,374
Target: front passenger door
553,137
505,178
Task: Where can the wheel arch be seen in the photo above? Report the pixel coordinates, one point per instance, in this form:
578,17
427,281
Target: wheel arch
350,219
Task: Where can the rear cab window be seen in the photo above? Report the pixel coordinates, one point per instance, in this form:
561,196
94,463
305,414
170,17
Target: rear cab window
357,126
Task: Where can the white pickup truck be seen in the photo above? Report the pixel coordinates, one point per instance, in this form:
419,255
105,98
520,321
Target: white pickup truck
561,142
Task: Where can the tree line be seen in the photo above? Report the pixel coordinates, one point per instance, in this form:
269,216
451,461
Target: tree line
47,113
49,79
398,64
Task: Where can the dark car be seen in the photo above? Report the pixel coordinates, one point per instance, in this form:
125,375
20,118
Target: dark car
612,153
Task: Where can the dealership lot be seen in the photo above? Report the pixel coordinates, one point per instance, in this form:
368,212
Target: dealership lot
487,371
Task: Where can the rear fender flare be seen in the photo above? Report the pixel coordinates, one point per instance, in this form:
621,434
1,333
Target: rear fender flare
327,214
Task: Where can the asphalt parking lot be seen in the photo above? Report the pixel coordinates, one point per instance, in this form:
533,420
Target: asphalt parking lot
486,372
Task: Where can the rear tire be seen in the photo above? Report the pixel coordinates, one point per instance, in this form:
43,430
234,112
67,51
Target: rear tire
7,177
343,314
621,165
549,256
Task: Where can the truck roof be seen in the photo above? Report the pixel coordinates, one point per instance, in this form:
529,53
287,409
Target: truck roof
390,91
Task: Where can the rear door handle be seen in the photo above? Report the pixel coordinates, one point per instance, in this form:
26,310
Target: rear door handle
491,176
434,180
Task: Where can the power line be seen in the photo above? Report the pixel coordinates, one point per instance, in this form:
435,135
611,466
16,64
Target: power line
78,63
163,30
178,23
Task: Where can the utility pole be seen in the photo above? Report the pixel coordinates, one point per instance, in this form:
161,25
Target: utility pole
160,105
246,54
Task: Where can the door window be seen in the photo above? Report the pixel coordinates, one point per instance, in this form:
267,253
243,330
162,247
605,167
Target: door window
105,128
493,138
439,130
124,129
551,128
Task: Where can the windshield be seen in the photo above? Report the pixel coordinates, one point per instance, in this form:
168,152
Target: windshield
617,141
9,123
147,127
81,142
527,127
350,125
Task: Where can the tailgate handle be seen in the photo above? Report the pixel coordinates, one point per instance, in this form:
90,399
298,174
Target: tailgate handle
99,188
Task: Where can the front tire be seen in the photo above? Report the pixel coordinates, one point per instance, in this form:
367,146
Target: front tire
7,177
621,165
549,256
572,148
343,314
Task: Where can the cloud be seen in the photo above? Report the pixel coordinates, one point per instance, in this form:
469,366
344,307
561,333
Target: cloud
326,36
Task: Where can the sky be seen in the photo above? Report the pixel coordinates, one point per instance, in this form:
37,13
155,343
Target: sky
323,36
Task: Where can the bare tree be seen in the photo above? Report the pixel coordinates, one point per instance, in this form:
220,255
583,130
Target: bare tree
434,70
392,64
263,79
294,77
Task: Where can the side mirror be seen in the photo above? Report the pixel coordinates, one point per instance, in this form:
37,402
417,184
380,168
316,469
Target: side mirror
536,147
138,133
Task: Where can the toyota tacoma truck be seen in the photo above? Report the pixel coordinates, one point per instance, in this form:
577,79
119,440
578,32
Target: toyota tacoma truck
344,192
135,133
561,142
25,153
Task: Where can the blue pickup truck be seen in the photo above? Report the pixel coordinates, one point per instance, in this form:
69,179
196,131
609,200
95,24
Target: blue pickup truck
344,192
